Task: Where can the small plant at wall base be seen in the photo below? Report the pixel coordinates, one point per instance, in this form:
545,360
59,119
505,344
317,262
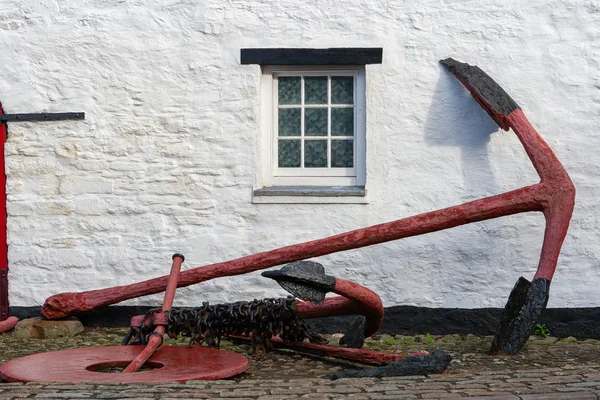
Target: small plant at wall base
541,330
429,339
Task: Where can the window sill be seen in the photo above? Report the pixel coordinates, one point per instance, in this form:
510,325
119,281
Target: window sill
310,195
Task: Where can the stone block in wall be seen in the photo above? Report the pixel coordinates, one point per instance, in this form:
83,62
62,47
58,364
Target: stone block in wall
71,185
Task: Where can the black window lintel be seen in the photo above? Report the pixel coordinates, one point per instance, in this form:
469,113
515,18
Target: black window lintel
303,56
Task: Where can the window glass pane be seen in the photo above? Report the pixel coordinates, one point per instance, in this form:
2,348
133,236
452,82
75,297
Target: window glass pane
342,90
289,89
315,153
315,90
289,153
289,122
315,121
342,153
342,122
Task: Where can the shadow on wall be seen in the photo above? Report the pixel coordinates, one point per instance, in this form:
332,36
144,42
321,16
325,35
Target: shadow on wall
456,120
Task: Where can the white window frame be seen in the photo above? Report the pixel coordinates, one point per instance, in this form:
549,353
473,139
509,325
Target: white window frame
272,175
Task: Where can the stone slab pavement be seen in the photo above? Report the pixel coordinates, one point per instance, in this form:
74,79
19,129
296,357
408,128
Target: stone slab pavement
546,368
542,384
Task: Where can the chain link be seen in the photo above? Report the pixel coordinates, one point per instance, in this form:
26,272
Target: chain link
262,319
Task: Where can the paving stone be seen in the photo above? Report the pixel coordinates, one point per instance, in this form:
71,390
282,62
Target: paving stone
351,396
70,398
316,396
440,396
248,393
490,373
356,381
539,370
381,388
563,379
242,394
475,392
506,385
520,380
291,390
62,386
476,381
404,378
112,386
122,395
574,389
398,394
459,388
584,384
505,396
560,396
237,398
535,390
180,398
531,375
430,386
17,395
339,389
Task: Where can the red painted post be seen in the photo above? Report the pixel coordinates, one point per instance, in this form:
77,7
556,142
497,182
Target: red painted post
3,245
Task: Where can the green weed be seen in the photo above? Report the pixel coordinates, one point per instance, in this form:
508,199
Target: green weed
429,339
541,330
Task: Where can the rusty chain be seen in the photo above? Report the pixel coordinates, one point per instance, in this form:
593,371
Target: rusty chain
206,325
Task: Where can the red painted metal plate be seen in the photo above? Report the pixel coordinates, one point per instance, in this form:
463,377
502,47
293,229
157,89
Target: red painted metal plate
171,364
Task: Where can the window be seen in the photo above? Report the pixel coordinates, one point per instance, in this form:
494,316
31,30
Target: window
312,122
316,129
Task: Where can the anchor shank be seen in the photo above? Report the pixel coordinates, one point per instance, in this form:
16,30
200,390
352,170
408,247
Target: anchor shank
513,202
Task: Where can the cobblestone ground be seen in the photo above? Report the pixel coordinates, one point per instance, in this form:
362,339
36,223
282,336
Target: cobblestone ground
545,369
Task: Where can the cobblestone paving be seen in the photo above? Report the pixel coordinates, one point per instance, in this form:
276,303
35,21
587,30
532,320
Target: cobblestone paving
545,369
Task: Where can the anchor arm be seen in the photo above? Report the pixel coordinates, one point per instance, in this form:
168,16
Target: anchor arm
556,195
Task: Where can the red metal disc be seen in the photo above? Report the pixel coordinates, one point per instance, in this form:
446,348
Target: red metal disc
169,363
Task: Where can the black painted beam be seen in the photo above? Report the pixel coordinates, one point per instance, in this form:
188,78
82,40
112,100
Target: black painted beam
296,56
400,320
41,116
3,294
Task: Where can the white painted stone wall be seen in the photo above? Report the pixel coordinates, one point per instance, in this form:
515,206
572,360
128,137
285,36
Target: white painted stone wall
167,157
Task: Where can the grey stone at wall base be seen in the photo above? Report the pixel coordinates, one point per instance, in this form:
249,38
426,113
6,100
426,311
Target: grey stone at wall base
38,328
400,320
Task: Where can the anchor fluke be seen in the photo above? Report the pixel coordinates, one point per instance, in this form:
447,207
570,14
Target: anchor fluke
304,279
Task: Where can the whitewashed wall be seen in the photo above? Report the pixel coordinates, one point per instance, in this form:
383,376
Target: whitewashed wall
167,156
